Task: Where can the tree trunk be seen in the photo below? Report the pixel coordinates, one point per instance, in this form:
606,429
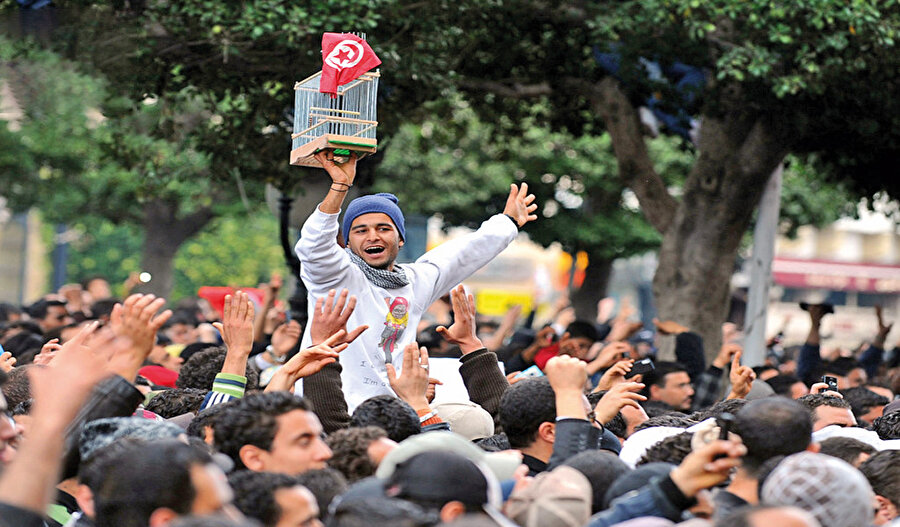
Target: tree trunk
596,280
164,233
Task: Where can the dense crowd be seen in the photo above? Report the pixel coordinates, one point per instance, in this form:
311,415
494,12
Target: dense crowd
123,413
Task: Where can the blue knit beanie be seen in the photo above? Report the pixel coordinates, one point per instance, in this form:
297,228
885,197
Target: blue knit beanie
381,202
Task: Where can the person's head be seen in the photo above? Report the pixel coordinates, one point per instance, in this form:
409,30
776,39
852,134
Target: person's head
883,472
50,313
851,450
97,287
672,449
634,480
557,498
201,369
865,404
466,419
831,490
17,388
771,427
181,328
674,420
271,432
445,482
276,500
152,484
374,229
393,415
827,410
325,485
601,468
528,413
731,406
100,433
578,339
380,512
625,421
172,403
768,516
8,432
669,383
358,451
201,426
788,386
887,426
9,312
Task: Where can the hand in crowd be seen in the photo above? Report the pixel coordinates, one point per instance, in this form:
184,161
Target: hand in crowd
619,396
704,468
608,356
48,352
821,387
236,327
285,338
565,317
512,378
605,308
462,332
7,362
331,316
412,382
137,320
495,341
567,376
431,391
520,205
741,377
307,362
669,327
616,375
340,173
726,354
883,329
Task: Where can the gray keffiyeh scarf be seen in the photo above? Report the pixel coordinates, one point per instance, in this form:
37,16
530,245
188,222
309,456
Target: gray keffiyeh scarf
380,277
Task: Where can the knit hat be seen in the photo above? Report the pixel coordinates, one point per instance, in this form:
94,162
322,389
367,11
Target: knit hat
101,432
559,498
381,202
830,489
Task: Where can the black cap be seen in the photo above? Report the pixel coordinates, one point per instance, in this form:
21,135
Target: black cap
439,477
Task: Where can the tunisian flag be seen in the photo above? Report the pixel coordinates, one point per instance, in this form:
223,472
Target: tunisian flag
344,57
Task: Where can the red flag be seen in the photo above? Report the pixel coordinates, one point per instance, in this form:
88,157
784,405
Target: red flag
344,58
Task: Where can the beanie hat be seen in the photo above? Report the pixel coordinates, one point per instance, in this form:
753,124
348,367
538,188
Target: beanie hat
381,202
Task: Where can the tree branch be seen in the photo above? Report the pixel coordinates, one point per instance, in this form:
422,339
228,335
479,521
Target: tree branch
635,166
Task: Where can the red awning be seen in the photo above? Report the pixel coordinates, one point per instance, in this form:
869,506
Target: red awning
840,276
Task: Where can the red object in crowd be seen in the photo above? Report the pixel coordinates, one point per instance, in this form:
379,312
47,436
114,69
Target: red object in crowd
215,295
344,57
159,376
545,354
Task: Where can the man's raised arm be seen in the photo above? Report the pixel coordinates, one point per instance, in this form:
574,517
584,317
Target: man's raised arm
342,177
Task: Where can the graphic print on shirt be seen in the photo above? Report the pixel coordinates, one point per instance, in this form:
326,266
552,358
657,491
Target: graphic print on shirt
394,324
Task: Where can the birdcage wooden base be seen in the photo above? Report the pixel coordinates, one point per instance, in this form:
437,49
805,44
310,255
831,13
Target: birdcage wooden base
303,155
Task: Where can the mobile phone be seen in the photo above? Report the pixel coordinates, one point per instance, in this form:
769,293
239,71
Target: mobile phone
725,423
639,367
831,382
531,371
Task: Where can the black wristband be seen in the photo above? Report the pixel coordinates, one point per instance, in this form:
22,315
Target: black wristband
513,220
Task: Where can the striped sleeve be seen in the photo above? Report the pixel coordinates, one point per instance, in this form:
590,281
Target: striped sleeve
226,386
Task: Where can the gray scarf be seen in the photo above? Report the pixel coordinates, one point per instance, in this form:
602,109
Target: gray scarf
382,278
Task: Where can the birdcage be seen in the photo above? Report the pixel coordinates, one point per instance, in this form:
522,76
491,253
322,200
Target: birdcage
345,123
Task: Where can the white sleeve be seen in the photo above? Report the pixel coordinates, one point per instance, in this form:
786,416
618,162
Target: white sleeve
324,262
457,259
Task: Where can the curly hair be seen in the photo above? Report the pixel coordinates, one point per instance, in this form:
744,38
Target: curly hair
350,451
523,408
814,400
200,370
254,493
883,472
172,403
845,448
197,426
394,416
731,406
252,421
325,484
17,388
676,420
670,450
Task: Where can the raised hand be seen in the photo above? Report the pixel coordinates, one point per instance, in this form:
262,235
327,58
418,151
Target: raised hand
669,327
412,384
137,320
284,338
726,354
741,377
614,375
344,173
236,327
462,332
610,353
708,466
431,391
307,362
331,316
619,396
520,205
883,329
567,376
7,361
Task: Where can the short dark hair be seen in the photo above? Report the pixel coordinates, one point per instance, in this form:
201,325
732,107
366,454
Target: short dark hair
862,399
887,426
658,408
845,448
207,417
774,426
350,454
325,484
172,403
17,388
657,376
254,493
582,329
672,449
201,369
252,421
143,478
38,310
814,400
103,307
883,472
674,420
731,406
781,384
523,407
841,366
601,468
393,415
381,512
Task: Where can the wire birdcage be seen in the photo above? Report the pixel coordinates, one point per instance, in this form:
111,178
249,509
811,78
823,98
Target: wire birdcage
345,123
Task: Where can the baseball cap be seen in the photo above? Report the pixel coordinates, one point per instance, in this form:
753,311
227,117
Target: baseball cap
466,419
558,498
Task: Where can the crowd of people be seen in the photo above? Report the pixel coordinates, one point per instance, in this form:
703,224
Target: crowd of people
126,413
